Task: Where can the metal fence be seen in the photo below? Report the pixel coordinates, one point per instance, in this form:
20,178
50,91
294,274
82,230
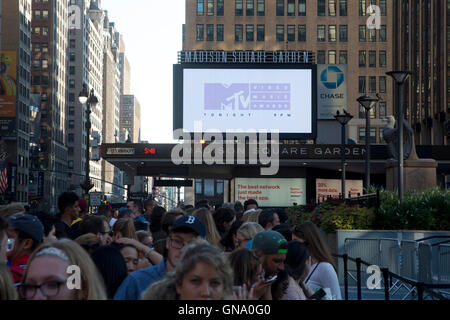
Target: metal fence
408,265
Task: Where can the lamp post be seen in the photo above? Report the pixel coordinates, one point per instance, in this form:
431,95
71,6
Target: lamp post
91,100
343,119
367,102
399,78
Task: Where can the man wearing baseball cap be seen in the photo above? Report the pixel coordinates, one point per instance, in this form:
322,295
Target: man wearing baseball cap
184,230
26,232
271,246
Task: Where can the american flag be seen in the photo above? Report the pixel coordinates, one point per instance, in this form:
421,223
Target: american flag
3,176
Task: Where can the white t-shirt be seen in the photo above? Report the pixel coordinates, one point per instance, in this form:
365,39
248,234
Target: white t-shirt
324,277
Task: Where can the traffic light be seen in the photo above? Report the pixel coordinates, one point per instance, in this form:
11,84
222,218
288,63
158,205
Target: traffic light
31,179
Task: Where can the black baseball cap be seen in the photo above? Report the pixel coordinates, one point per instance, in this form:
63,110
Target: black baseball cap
190,222
28,224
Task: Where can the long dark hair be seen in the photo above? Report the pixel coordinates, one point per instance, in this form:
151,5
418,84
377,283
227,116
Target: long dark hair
112,267
296,257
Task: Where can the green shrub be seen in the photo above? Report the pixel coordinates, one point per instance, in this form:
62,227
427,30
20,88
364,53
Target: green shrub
347,217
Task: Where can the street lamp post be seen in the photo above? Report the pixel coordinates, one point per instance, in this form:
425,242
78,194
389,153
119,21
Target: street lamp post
399,78
367,102
343,119
91,100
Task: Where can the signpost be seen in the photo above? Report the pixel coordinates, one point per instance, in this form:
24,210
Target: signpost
95,199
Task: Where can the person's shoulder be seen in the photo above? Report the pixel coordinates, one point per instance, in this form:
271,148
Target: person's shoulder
325,266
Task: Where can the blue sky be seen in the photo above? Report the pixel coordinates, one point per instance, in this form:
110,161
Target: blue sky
152,31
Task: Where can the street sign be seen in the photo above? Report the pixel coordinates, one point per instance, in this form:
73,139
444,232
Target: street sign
95,199
173,183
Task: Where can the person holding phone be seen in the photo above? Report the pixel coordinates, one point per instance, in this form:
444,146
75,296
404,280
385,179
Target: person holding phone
271,247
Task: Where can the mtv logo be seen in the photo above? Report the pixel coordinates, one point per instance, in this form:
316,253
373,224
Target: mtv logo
220,96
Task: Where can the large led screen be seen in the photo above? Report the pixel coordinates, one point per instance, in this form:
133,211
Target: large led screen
242,99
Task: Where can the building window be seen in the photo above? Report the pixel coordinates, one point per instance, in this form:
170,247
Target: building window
260,33
383,84
362,135
219,30
320,33
332,33
44,64
209,188
45,14
332,57
380,130
71,111
200,32
198,186
220,8
249,32
250,8
302,7
210,8
302,32
362,8
261,8
372,59
321,8
343,8
72,44
382,58
290,33
362,33
383,7
383,33
238,29
44,31
372,35
280,32
71,137
219,187
280,7
72,97
238,7
71,124
72,70
332,8
71,84
382,110
362,84
343,57
362,59
200,7
321,57
72,56
37,31
343,33
37,14
36,63
209,32
372,84
291,8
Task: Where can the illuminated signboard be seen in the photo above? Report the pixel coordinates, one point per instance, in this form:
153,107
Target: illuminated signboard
333,187
272,192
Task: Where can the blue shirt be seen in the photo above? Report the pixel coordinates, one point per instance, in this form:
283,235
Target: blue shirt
138,281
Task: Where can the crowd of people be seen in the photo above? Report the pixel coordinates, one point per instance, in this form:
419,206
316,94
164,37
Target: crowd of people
142,252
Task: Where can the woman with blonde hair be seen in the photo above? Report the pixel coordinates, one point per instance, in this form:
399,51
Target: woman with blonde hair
212,235
247,232
7,289
47,278
203,273
124,228
251,215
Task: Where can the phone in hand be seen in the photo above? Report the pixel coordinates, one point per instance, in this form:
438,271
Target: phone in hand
318,295
270,279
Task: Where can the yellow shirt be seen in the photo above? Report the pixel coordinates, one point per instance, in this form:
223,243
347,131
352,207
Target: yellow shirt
75,221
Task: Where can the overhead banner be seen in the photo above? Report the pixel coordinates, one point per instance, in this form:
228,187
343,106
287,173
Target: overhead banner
331,90
271,192
8,92
333,187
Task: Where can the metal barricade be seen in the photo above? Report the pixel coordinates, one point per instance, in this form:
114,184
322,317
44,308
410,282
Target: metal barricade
408,261
390,251
366,249
444,263
425,257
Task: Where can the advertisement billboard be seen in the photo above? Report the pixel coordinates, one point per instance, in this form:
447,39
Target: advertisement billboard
8,92
331,90
238,98
333,187
271,192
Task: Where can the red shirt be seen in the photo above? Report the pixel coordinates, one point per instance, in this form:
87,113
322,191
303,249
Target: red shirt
18,267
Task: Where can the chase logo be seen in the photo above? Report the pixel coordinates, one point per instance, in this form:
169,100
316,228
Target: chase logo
332,77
